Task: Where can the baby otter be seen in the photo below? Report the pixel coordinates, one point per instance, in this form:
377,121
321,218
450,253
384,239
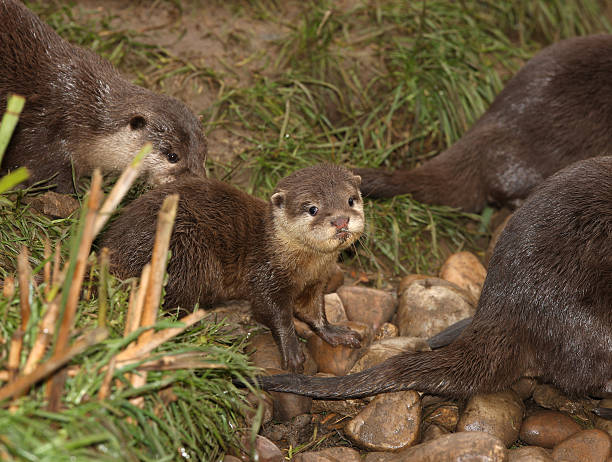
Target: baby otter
555,111
227,244
545,305
80,113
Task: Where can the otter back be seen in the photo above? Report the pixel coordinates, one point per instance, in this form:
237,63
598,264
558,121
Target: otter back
81,114
545,305
556,110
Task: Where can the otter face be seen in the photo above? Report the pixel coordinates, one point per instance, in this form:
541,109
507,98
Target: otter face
179,144
322,212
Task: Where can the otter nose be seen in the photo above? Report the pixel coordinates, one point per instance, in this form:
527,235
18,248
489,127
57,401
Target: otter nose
340,222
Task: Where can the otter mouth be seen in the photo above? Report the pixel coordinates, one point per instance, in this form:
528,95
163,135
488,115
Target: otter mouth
343,234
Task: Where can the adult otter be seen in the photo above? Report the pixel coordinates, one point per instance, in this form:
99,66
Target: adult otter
555,111
546,305
80,112
227,244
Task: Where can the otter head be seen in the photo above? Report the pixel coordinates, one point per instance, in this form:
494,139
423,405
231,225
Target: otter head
319,208
179,144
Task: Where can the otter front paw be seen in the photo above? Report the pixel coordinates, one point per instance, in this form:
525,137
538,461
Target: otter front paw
293,360
339,335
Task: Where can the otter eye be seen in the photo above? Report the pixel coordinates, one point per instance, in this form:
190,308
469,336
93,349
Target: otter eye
137,122
172,157
351,201
312,211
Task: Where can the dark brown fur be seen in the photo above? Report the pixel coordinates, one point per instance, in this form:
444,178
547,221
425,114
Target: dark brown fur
80,111
546,305
227,244
555,111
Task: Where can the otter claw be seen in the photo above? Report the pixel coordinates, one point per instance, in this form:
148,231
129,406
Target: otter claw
339,335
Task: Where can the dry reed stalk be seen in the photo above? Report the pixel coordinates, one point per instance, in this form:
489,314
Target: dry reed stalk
57,264
123,184
144,348
46,329
15,354
4,377
24,273
47,267
191,360
102,288
104,391
81,265
56,384
165,223
135,307
8,290
23,383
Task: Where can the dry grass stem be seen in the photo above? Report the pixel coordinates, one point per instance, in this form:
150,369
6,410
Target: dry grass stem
165,223
103,288
137,302
45,333
57,269
22,383
15,354
24,271
156,339
47,267
104,391
81,265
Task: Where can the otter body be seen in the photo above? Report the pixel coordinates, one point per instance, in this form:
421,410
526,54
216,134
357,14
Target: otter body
555,111
81,114
546,305
227,244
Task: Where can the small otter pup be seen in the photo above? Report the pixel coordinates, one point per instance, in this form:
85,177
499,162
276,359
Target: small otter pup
80,113
546,305
555,111
227,244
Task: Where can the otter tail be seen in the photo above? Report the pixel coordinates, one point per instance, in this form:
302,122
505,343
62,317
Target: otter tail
467,366
451,178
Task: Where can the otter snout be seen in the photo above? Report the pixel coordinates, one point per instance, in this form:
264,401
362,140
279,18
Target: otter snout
341,223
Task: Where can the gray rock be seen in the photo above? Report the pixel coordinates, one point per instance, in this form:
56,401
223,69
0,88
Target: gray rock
428,306
384,349
390,422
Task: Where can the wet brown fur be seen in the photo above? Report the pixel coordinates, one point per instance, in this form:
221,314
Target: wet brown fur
555,111
227,244
80,112
546,305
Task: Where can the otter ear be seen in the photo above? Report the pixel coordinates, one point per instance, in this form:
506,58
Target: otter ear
278,199
137,122
357,180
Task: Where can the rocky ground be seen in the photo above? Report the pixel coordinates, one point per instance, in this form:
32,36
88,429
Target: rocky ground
532,421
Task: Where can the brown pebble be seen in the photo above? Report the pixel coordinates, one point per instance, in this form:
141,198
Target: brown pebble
547,428
584,446
335,280
454,447
387,330
465,270
499,414
339,359
529,454
339,454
